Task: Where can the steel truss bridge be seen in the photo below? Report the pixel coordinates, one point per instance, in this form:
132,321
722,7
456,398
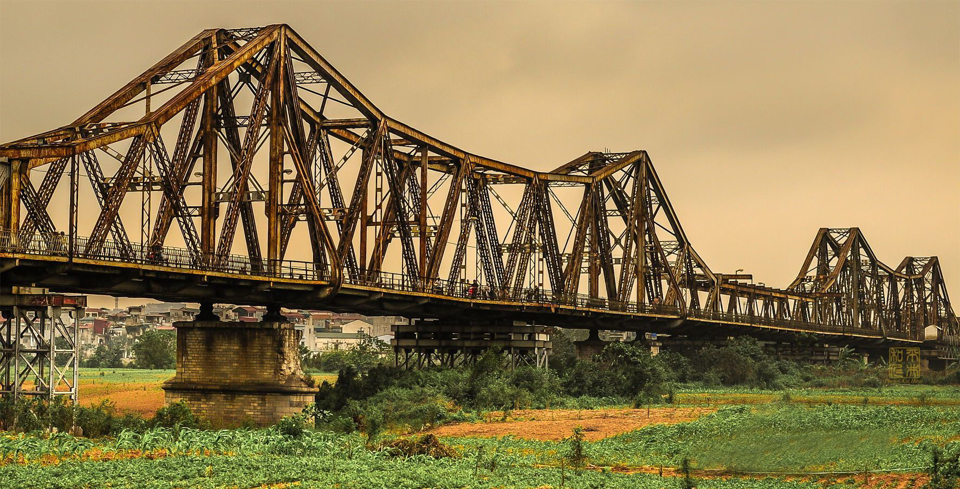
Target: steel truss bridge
287,186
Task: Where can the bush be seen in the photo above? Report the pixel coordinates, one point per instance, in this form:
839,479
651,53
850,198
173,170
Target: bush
292,426
177,415
35,414
427,445
361,358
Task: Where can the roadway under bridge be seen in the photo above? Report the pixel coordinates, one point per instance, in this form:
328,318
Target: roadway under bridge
288,187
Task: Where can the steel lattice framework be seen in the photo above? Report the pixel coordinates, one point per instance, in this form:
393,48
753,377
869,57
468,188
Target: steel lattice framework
252,128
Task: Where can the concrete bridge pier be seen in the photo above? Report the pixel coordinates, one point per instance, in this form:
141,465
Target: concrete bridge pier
590,347
232,373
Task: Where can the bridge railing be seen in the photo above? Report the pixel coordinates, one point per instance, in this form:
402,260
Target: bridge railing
58,244
534,296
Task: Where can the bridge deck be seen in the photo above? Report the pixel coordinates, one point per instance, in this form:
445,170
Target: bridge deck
170,276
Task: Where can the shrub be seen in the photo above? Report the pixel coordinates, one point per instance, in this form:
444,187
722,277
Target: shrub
576,454
428,445
292,426
176,415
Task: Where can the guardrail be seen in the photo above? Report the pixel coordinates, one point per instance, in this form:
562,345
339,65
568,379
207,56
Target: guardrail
58,244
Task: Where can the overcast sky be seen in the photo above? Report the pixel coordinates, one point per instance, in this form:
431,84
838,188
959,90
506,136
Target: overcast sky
765,120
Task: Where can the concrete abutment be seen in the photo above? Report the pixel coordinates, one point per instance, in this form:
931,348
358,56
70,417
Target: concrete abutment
235,373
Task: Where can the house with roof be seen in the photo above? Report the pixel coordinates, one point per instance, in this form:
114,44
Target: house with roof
248,314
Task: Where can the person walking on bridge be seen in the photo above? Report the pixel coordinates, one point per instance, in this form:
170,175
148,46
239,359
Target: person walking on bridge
472,291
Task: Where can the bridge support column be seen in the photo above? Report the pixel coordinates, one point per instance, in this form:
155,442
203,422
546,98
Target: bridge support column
591,346
39,348
232,373
426,343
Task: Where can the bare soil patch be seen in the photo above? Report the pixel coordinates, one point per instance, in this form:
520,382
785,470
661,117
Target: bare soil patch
555,425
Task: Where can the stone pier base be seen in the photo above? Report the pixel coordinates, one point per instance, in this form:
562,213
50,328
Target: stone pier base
590,347
235,373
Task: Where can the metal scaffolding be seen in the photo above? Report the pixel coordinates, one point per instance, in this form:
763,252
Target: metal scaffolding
39,347
427,343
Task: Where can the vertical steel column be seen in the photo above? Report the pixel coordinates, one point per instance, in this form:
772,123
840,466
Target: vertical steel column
51,347
274,195
76,356
424,160
641,242
15,321
363,219
146,191
6,351
74,201
11,201
208,209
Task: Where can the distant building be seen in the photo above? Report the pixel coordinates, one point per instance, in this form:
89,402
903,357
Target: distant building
248,313
318,330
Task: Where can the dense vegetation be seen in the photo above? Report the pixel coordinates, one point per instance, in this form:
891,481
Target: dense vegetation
783,417
374,398
845,441
35,414
163,458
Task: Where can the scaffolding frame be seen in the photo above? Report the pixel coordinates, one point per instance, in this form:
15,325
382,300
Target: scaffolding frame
39,350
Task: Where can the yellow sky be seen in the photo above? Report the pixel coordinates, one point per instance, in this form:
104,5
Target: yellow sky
765,120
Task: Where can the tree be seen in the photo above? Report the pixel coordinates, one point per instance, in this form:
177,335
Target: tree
107,355
156,349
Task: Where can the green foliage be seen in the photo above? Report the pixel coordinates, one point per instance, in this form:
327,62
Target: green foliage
742,362
944,470
107,355
177,415
575,453
773,437
366,355
156,350
36,414
687,482
241,458
292,426
389,398
624,370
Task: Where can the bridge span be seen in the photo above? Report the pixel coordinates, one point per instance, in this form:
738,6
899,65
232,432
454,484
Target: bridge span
288,187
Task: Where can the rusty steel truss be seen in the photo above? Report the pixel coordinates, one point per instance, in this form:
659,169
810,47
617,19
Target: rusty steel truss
277,172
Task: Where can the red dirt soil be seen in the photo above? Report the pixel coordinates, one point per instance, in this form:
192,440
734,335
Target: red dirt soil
555,425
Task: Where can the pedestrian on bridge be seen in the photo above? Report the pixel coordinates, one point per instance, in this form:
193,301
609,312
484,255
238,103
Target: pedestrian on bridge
472,291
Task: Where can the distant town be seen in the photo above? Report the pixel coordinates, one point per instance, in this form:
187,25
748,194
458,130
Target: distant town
319,331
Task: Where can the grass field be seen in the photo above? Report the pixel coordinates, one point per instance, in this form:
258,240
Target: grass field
730,438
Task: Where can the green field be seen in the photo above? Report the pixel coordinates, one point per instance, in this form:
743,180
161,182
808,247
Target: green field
841,444
730,417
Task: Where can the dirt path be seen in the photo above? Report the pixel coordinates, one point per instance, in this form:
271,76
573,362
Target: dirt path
555,425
